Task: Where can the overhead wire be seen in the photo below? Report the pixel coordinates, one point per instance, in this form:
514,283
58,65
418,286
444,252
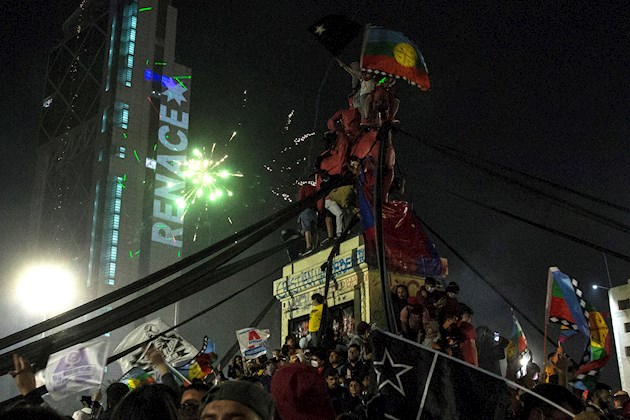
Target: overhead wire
125,291
572,238
41,390
562,203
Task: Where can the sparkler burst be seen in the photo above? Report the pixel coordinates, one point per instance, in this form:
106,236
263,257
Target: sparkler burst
206,178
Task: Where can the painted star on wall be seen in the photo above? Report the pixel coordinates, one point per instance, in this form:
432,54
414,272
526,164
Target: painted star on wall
320,29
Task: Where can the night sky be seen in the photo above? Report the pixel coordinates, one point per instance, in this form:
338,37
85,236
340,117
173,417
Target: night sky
541,88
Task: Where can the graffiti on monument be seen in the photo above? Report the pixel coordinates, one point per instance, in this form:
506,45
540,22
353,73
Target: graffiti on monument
315,276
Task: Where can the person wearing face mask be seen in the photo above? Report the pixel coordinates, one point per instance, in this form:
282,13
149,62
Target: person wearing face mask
452,290
318,361
431,297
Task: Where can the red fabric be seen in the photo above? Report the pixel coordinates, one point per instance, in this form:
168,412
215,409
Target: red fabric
300,393
346,121
305,191
367,149
407,247
468,346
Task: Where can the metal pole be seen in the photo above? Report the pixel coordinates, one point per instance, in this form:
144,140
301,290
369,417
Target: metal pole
607,270
383,136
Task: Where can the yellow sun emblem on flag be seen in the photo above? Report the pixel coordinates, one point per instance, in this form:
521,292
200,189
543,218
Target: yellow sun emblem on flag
405,55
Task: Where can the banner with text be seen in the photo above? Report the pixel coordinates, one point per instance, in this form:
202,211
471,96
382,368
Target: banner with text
76,369
253,342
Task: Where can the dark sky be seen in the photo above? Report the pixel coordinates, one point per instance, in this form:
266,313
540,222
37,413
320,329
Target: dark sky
539,87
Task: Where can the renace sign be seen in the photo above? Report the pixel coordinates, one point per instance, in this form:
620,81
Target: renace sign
168,217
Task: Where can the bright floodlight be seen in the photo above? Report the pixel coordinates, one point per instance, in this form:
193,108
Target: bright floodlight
594,286
46,289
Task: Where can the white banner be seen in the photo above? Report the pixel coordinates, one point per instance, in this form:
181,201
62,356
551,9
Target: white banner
76,369
253,342
172,345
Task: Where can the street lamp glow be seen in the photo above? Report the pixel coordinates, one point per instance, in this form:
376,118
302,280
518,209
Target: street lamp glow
597,286
594,286
46,289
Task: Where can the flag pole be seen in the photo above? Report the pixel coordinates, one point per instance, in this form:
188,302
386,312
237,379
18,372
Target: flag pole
363,44
547,311
383,135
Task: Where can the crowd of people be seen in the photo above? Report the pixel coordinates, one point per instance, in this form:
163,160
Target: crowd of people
324,376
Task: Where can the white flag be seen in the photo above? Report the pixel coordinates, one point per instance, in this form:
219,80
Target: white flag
172,345
76,368
253,342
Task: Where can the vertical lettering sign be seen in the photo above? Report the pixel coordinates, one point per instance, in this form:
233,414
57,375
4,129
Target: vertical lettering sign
168,217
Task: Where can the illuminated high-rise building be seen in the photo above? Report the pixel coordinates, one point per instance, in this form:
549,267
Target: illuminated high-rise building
113,127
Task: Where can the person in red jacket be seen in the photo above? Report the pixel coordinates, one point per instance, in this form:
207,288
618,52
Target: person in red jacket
467,335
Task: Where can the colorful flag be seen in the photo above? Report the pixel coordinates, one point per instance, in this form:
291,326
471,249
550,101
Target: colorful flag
335,32
597,350
565,306
253,342
393,54
136,377
518,341
174,348
202,366
76,369
411,381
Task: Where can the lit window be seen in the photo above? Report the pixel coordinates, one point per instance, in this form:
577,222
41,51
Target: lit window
121,152
121,115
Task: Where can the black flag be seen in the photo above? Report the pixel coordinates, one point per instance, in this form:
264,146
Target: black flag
335,32
410,381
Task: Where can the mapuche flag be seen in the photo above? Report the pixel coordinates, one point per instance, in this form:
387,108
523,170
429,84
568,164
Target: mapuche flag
393,54
566,306
335,32
518,341
411,381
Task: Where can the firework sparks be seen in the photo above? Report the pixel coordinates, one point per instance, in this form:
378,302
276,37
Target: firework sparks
286,127
205,178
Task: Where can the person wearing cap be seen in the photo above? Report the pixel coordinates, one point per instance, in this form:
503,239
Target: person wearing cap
619,399
237,399
599,399
86,411
467,336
